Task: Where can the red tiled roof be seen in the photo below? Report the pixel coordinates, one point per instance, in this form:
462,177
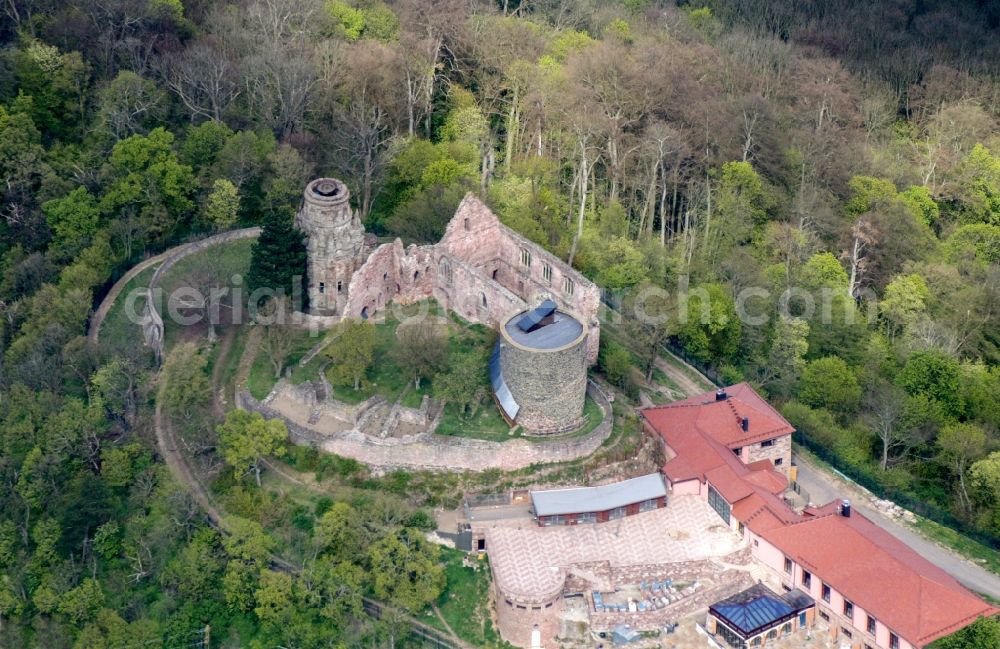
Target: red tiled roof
767,478
851,554
858,559
725,480
722,420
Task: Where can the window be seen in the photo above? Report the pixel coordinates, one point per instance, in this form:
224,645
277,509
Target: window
483,297
385,277
778,461
616,513
893,641
738,451
788,565
586,518
525,257
446,271
547,273
848,610
846,632
823,615
826,593
718,503
807,579
568,286
340,286
767,443
870,627
322,287
739,530
467,224
649,505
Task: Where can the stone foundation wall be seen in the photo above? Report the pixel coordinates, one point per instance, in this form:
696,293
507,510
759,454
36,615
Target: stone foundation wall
428,451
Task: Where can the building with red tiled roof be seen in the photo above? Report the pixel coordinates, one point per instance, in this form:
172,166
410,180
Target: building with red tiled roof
876,592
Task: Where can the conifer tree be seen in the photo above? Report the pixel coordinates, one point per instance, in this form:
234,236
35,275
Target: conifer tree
278,257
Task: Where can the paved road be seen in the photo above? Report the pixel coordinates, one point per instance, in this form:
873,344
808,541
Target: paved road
824,487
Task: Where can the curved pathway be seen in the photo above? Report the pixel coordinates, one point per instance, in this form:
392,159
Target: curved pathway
171,255
101,313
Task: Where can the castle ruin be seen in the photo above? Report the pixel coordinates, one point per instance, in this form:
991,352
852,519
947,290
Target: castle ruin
480,269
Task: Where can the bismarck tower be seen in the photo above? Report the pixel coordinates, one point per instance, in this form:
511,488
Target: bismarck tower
336,244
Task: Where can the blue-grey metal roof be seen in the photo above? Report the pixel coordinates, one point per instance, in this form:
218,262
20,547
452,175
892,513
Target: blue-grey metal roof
756,609
562,332
530,320
500,389
584,500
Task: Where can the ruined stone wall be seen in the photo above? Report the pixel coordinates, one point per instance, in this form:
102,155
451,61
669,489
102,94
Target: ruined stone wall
782,450
476,236
464,289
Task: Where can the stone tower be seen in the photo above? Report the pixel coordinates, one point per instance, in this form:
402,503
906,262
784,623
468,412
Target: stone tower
335,243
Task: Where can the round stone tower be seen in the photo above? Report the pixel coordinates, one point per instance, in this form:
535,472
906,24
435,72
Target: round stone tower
335,243
543,357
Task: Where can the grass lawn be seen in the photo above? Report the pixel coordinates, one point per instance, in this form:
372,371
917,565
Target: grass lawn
464,604
485,424
117,327
963,545
225,260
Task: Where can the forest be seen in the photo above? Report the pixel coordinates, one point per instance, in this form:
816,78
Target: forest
810,192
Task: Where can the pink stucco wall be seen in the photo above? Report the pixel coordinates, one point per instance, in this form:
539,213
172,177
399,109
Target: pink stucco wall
774,559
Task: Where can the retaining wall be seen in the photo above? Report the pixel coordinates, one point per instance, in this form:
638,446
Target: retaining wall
429,451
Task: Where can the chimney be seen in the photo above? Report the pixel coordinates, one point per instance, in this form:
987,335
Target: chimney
745,424
845,508
720,394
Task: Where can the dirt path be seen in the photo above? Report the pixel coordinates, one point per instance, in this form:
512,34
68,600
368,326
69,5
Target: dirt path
251,346
220,401
167,443
684,381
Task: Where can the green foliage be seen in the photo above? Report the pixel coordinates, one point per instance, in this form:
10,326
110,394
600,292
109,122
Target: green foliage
867,193
615,360
223,205
55,82
351,352
465,383
829,383
984,632
74,219
278,259
904,301
935,375
979,188
922,203
568,42
187,389
710,328
979,240
246,438
406,569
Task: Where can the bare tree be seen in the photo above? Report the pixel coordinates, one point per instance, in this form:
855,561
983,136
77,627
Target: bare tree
205,80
